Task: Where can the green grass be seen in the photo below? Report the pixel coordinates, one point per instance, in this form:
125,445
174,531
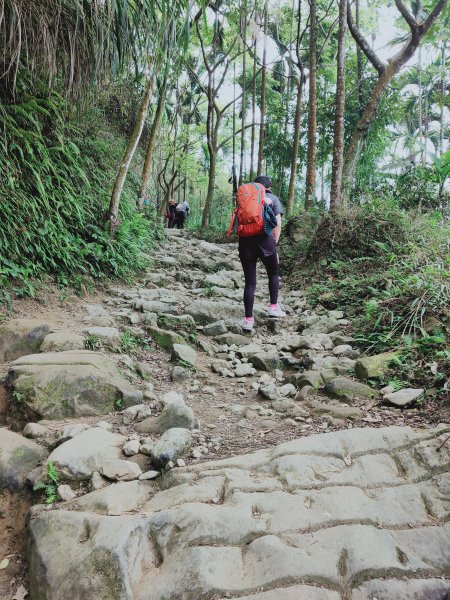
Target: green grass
389,270
57,176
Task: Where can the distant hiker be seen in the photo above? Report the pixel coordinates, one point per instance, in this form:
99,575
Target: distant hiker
257,221
171,213
182,213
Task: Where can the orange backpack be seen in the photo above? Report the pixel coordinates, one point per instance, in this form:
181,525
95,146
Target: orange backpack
249,210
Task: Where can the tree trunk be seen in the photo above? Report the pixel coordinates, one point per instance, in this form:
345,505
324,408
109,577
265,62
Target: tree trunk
129,153
338,142
252,142
263,93
442,101
152,139
243,102
420,100
295,147
359,65
385,74
210,192
312,110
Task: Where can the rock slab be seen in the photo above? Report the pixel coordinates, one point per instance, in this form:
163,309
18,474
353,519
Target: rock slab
324,517
57,385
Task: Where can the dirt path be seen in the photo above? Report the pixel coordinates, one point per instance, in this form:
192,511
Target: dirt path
234,414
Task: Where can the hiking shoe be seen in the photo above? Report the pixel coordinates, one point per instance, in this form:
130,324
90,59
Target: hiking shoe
276,311
248,323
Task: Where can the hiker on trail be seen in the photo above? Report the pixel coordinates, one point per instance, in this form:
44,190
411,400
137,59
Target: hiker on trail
257,221
171,213
182,213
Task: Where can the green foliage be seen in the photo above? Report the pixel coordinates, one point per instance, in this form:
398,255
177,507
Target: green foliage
55,188
130,342
92,342
50,485
389,271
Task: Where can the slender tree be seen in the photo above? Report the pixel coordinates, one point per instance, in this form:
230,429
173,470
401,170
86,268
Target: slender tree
300,79
262,122
243,28
153,136
310,186
133,142
253,128
386,72
338,142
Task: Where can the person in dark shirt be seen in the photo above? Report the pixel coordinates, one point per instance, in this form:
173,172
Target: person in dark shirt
262,247
171,213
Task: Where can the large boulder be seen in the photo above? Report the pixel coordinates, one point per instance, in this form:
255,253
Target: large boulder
21,337
81,556
347,389
374,367
60,341
67,384
86,453
302,520
18,456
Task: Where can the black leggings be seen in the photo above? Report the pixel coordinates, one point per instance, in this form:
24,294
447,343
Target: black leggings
249,266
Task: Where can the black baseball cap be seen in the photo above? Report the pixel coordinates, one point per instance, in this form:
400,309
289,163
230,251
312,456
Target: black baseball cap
266,181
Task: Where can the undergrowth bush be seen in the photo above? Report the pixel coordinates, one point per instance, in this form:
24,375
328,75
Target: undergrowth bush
54,190
389,270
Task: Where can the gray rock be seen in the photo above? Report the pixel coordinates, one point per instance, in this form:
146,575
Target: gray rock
79,457
310,378
136,413
107,334
65,492
341,387
343,350
184,353
265,361
171,446
98,482
288,390
374,367
180,374
244,369
120,470
61,341
404,396
105,425
241,527
70,431
249,350
165,339
131,448
37,432
18,456
174,414
217,328
269,391
207,311
336,410
67,384
232,339
149,475
317,324
21,337
306,392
